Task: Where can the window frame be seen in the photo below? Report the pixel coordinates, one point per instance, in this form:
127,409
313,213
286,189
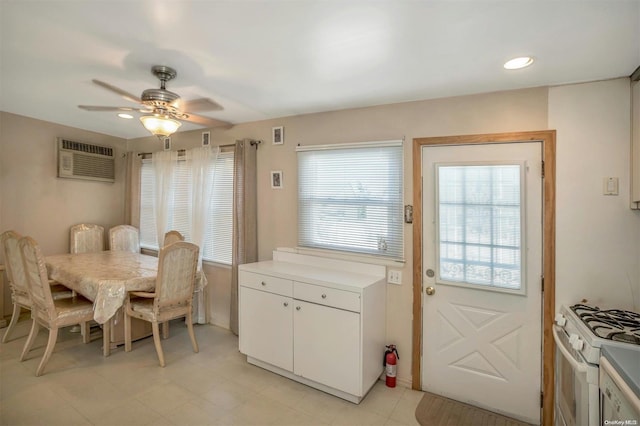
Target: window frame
335,250
226,155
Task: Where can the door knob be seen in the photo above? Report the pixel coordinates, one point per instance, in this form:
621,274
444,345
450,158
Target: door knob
430,290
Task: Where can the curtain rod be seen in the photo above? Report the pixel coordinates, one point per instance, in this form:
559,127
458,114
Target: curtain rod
231,145
182,151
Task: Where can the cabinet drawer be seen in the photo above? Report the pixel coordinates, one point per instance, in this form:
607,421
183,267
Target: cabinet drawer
327,296
266,283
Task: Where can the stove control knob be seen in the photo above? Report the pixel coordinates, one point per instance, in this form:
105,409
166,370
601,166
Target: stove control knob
560,320
572,338
578,344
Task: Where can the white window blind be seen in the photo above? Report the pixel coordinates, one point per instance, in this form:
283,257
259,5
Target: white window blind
219,228
350,198
480,219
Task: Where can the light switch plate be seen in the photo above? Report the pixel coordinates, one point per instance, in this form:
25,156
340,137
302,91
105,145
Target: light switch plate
610,186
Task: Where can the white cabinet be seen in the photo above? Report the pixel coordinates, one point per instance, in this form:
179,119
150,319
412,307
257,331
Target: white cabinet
315,320
267,333
635,145
325,346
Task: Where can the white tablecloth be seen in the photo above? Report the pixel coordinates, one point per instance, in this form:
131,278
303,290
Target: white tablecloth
104,277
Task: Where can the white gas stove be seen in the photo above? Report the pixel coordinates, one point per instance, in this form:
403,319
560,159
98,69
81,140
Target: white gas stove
589,327
580,333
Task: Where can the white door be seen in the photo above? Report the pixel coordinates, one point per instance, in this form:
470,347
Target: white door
482,242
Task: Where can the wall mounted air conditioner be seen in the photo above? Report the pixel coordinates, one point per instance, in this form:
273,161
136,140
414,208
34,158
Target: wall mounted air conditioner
79,160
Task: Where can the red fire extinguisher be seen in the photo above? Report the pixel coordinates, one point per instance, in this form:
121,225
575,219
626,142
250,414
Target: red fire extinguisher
391,358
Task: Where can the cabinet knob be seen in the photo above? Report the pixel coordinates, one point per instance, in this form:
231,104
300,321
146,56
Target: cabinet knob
286,304
263,283
324,296
297,308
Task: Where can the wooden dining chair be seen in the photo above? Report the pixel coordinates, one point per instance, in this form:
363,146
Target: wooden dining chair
17,280
124,238
46,311
86,238
172,237
172,297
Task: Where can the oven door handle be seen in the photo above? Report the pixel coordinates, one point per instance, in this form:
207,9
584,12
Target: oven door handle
578,366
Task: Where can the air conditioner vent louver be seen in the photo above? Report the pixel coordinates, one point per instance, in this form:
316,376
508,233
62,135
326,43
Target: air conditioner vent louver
85,147
79,160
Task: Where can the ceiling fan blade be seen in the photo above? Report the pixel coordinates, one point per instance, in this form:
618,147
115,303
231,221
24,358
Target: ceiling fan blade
109,108
128,96
106,108
198,105
205,121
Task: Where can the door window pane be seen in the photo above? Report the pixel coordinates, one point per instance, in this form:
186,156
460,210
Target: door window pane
480,217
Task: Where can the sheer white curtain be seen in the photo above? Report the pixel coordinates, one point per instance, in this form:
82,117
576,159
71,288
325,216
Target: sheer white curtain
164,163
202,162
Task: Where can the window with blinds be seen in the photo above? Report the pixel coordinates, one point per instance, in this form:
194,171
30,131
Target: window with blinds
219,229
480,218
350,198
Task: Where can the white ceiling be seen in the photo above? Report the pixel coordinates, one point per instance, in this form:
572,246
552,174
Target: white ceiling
268,59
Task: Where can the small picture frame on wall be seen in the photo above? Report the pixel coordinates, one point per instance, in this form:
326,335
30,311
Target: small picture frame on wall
167,144
276,179
206,138
277,135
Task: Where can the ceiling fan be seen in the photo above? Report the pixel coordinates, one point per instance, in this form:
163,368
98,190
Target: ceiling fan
165,108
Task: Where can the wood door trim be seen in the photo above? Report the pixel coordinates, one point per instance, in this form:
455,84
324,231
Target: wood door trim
548,139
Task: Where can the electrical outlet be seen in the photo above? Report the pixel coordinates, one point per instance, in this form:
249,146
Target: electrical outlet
394,277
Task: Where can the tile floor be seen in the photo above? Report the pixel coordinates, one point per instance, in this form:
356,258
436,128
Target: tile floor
213,387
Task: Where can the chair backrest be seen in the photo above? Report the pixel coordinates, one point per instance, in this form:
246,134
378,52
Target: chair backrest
13,262
177,265
172,237
124,238
86,238
37,279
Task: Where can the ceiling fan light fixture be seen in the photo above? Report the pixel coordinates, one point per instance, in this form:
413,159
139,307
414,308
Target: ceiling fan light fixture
160,125
517,63
125,116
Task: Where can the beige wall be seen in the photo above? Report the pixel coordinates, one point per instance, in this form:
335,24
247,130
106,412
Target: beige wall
597,240
598,236
277,209
37,203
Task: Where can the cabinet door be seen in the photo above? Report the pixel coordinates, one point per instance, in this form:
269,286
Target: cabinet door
327,346
265,327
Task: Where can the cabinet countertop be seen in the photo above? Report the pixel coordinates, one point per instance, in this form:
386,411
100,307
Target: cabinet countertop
627,364
329,277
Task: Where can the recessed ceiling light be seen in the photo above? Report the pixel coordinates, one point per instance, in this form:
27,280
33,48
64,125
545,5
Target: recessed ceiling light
517,63
127,116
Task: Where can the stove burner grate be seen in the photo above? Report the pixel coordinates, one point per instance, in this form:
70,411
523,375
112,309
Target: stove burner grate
612,324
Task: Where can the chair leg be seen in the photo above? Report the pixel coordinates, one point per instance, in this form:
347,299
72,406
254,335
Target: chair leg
156,340
194,343
53,337
165,330
35,327
86,332
127,332
12,324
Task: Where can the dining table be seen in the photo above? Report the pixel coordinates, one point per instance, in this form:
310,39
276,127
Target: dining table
105,278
